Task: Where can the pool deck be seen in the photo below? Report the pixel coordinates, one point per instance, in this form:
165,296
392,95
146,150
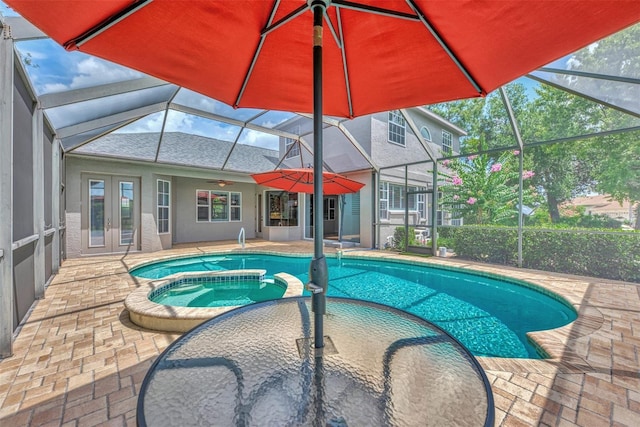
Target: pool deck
79,361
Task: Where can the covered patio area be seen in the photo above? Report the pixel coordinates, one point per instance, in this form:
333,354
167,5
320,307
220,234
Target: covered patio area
78,360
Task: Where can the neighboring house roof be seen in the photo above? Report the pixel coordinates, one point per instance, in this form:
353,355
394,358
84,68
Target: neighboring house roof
203,152
602,204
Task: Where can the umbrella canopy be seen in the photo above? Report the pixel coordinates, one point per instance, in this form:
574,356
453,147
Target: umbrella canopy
301,181
378,55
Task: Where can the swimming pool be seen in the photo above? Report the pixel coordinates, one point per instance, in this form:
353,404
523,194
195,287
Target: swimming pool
490,316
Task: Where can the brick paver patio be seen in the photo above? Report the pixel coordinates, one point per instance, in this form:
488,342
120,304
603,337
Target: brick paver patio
79,361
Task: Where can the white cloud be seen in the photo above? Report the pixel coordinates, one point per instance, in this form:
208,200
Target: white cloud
186,123
54,87
151,123
260,139
93,71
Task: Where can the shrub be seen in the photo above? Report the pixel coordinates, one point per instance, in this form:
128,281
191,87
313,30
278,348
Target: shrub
398,238
611,255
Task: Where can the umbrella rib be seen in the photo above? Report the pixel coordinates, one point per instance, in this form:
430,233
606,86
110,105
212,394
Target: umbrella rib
270,27
256,54
337,39
344,64
444,46
373,9
78,41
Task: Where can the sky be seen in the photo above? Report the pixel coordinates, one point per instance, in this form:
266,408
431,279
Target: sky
52,69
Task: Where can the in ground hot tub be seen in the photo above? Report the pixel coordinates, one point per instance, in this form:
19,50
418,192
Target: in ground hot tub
184,300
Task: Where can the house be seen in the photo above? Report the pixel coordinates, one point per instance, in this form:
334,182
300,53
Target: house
177,187
602,204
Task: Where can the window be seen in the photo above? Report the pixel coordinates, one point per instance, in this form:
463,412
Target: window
396,128
384,200
396,196
163,206
202,202
424,131
447,142
218,206
392,197
96,213
282,209
421,204
235,210
291,148
456,219
329,209
442,214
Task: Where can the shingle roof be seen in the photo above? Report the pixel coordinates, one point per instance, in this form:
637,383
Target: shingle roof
202,152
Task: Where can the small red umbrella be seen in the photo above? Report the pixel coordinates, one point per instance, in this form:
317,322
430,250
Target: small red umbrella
301,181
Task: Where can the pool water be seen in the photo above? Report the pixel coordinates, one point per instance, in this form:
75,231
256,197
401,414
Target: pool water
489,316
219,294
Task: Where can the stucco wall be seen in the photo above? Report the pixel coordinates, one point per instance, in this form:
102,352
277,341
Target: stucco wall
189,230
184,183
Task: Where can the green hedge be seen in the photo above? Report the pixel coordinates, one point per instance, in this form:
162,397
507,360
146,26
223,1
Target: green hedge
610,255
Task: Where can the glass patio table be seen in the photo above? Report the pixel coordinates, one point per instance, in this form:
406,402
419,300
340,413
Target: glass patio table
255,365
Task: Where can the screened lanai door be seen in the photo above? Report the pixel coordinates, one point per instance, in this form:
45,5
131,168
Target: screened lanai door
111,214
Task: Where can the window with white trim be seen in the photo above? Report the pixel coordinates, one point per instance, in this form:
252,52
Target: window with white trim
235,207
218,206
384,200
447,142
396,197
397,128
441,213
421,203
392,197
291,148
163,205
455,218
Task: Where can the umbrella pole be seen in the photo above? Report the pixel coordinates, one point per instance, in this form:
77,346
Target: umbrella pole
318,271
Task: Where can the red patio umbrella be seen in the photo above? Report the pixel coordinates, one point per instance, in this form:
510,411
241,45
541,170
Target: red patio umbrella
378,55
301,181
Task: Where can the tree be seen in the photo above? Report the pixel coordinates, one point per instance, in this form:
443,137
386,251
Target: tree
563,170
484,190
484,119
618,172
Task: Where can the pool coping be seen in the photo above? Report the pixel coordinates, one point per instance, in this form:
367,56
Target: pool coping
151,315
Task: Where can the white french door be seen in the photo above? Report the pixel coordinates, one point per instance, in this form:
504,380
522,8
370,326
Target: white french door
111,213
